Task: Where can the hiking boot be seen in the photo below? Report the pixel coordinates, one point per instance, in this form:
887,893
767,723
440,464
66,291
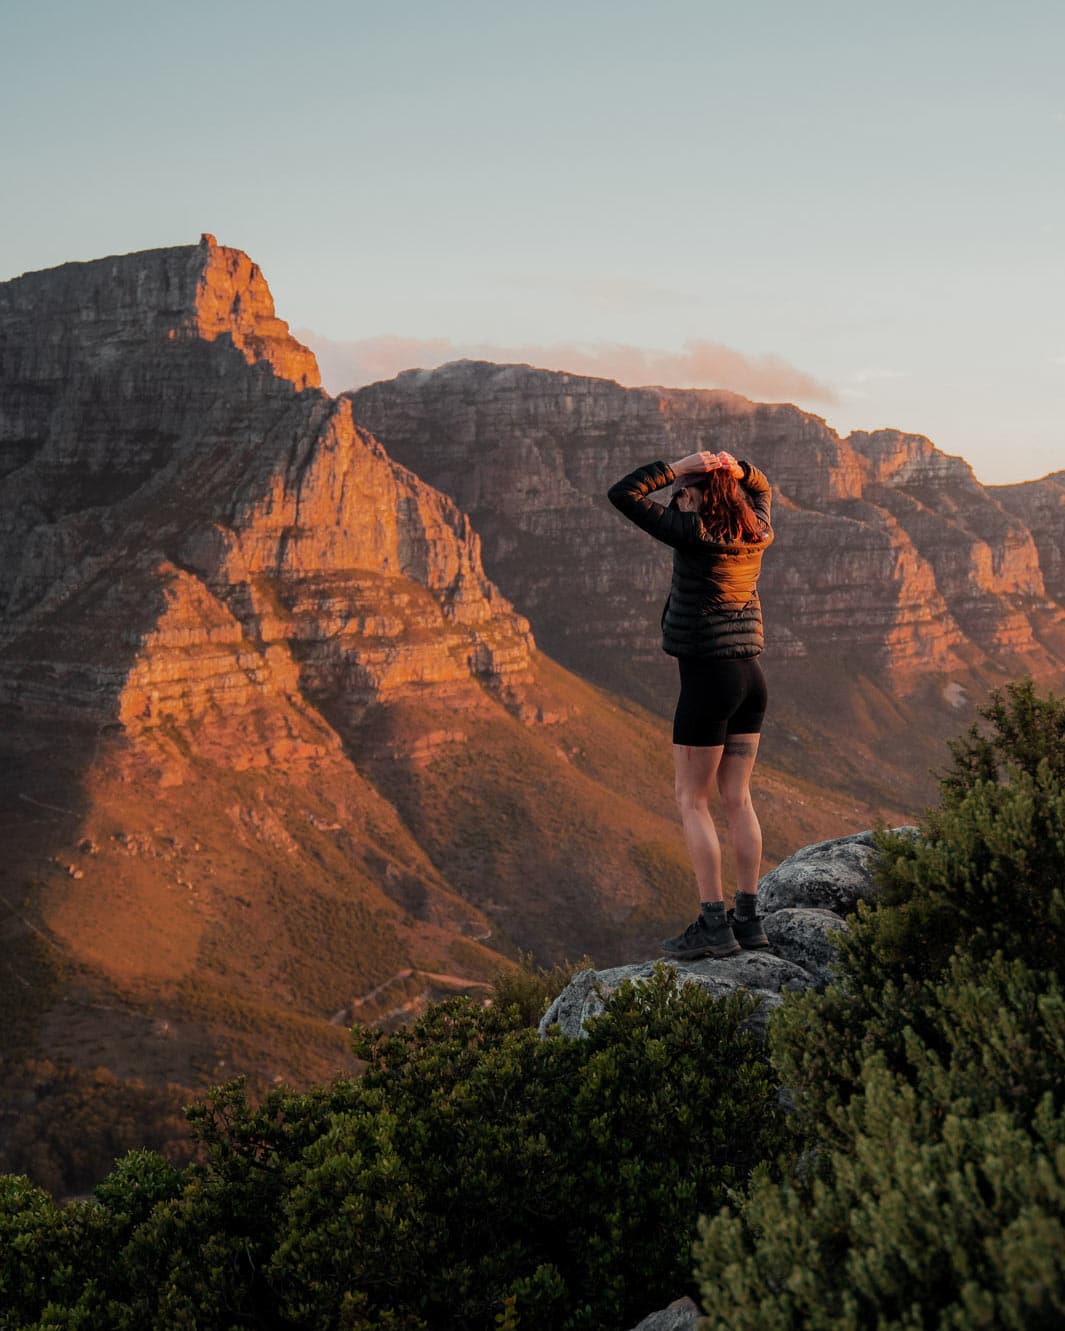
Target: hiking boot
701,939
748,933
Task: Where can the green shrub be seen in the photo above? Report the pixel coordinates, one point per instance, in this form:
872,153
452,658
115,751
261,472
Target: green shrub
558,1180
986,875
987,871
928,1188
534,988
35,1253
474,1177
944,1203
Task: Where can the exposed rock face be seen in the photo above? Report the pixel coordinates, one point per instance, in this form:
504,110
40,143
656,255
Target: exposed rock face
233,527
833,875
681,1315
210,578
1040,505
804,935
797,922
273,747
891,561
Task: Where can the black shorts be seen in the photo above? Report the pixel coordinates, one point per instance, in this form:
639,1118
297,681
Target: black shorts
718,698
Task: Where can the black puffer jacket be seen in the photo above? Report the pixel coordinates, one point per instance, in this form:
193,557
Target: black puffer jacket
713,608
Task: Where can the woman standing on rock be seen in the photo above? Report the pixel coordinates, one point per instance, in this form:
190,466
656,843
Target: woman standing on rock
718,523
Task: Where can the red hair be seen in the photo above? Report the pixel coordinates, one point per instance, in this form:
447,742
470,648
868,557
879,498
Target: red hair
726,514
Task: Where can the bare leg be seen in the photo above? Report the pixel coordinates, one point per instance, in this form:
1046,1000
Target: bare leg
695,768
734,784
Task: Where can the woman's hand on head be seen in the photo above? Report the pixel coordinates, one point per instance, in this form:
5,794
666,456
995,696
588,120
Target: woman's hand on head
696,464
726,460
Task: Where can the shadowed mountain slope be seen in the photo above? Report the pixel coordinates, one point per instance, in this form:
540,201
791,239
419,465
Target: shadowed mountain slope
275,750
899,588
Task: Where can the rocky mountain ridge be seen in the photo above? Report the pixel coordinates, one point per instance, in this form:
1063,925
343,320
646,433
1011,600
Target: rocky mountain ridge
898,590
275,750
158,480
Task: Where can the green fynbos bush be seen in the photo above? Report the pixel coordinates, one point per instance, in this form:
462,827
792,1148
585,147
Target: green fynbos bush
929,1189
474,1176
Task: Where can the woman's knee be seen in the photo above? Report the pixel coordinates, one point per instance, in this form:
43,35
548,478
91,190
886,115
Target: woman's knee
735,797
691,799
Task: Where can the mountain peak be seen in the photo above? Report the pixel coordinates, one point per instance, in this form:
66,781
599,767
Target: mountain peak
203,291
232,297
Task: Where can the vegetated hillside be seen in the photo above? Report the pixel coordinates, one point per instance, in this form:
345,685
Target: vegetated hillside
488,1171
275,751
899,588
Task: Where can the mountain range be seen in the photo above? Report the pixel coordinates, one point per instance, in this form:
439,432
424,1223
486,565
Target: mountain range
316,708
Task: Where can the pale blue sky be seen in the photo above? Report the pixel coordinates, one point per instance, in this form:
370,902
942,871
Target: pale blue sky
872,194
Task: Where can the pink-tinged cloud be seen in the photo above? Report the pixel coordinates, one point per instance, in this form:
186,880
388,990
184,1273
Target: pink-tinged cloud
700,364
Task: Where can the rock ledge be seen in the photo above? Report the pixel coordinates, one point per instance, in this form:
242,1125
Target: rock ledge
804,902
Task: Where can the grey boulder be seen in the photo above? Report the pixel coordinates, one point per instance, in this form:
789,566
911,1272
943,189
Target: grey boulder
681,1315
761,974
806,936
829,875
803,902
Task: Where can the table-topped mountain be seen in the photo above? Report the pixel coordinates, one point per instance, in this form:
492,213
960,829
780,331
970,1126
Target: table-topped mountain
276,752
166,474
898,588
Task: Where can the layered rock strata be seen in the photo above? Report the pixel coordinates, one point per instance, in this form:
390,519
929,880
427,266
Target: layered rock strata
1040,505
209,577
189,521
889,553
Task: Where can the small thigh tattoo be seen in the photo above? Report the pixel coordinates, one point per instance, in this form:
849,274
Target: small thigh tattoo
742,747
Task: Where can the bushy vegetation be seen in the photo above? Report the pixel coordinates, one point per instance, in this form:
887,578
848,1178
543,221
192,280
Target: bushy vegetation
66,1126
478,1177
929,1189
474,1176
533,988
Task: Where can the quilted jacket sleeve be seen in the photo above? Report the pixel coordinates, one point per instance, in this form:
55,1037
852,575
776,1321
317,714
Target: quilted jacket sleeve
670,525
759,495
629,496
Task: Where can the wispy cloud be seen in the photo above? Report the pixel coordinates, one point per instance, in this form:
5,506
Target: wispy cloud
700,364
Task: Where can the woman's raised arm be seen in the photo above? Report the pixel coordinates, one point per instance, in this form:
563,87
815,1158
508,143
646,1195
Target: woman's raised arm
629,496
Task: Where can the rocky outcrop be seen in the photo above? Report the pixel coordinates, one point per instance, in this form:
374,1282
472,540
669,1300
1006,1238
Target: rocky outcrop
1040,505
889,553
273,747
832,875
681,1315
760,974
172,473
805,936
799,923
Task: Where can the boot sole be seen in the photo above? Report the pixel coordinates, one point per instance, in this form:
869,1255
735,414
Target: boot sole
696,954
752,946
